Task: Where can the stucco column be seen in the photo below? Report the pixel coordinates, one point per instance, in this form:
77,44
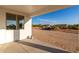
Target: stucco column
17,23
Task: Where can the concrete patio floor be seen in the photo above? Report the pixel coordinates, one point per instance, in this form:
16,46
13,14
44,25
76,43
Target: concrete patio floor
29,46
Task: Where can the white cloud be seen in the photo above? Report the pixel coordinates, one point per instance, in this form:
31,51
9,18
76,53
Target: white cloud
46,21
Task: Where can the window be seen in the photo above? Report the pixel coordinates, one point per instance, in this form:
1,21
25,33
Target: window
11,21
21,21
14,21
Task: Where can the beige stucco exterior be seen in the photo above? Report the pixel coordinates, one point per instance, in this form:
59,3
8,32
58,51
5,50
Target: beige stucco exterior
13,35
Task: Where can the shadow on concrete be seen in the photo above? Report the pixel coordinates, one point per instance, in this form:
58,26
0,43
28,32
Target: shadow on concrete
49,49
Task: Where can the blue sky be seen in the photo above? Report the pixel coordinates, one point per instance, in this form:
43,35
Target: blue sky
65,16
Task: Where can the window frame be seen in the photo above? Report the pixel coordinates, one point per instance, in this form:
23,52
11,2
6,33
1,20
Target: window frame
17,25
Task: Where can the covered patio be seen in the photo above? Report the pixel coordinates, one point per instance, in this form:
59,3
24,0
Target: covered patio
25,42
30,46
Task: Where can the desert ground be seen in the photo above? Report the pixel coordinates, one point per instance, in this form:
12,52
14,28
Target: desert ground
65,40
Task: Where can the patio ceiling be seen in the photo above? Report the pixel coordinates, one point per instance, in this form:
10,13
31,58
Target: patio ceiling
37,10
34,10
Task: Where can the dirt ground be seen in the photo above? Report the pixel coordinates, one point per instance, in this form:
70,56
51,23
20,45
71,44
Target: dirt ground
67,41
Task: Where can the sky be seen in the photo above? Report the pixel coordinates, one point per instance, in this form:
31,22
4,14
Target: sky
65,16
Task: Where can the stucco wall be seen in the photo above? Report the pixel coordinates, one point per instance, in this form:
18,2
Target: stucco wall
2,20
12,35
27,30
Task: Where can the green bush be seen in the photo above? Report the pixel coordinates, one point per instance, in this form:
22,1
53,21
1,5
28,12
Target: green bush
55,27
37,25
59,26
74,27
